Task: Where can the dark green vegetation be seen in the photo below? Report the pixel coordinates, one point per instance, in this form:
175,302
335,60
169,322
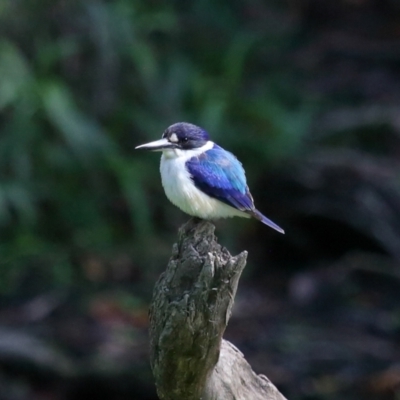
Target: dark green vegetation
84,82
306,94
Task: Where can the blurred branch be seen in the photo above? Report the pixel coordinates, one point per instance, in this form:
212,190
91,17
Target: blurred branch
190,310
353,118
18,348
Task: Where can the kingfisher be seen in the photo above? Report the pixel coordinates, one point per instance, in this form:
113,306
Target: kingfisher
201,178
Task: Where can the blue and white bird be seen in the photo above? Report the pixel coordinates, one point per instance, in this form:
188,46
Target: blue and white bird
201,178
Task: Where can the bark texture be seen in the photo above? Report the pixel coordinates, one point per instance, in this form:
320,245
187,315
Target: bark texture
191,306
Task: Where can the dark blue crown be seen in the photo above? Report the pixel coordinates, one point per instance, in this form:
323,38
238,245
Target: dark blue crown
189,136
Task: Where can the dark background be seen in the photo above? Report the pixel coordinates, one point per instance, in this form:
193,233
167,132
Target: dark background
306,93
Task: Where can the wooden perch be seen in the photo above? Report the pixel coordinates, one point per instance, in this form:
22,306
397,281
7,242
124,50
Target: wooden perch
191,306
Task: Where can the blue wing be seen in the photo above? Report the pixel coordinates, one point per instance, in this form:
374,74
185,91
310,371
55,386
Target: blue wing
219,174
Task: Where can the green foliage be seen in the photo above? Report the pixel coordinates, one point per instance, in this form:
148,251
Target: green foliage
83,82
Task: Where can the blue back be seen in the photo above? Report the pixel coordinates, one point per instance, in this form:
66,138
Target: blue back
219,174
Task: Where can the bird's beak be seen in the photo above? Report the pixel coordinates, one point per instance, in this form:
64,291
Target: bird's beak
157,145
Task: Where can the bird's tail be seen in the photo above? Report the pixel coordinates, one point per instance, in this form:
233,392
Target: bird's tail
256,214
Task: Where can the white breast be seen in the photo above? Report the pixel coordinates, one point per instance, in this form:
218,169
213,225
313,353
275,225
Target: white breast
181,190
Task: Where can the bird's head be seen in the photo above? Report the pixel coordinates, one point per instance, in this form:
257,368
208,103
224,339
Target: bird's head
180,136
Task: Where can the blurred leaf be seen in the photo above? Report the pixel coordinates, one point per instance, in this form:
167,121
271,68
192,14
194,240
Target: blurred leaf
5,212
236,57
129,175
14,72
83,135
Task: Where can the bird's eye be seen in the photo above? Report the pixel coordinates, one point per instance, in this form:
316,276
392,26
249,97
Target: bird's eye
185,139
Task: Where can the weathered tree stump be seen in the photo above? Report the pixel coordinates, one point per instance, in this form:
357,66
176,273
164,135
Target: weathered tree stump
191,306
